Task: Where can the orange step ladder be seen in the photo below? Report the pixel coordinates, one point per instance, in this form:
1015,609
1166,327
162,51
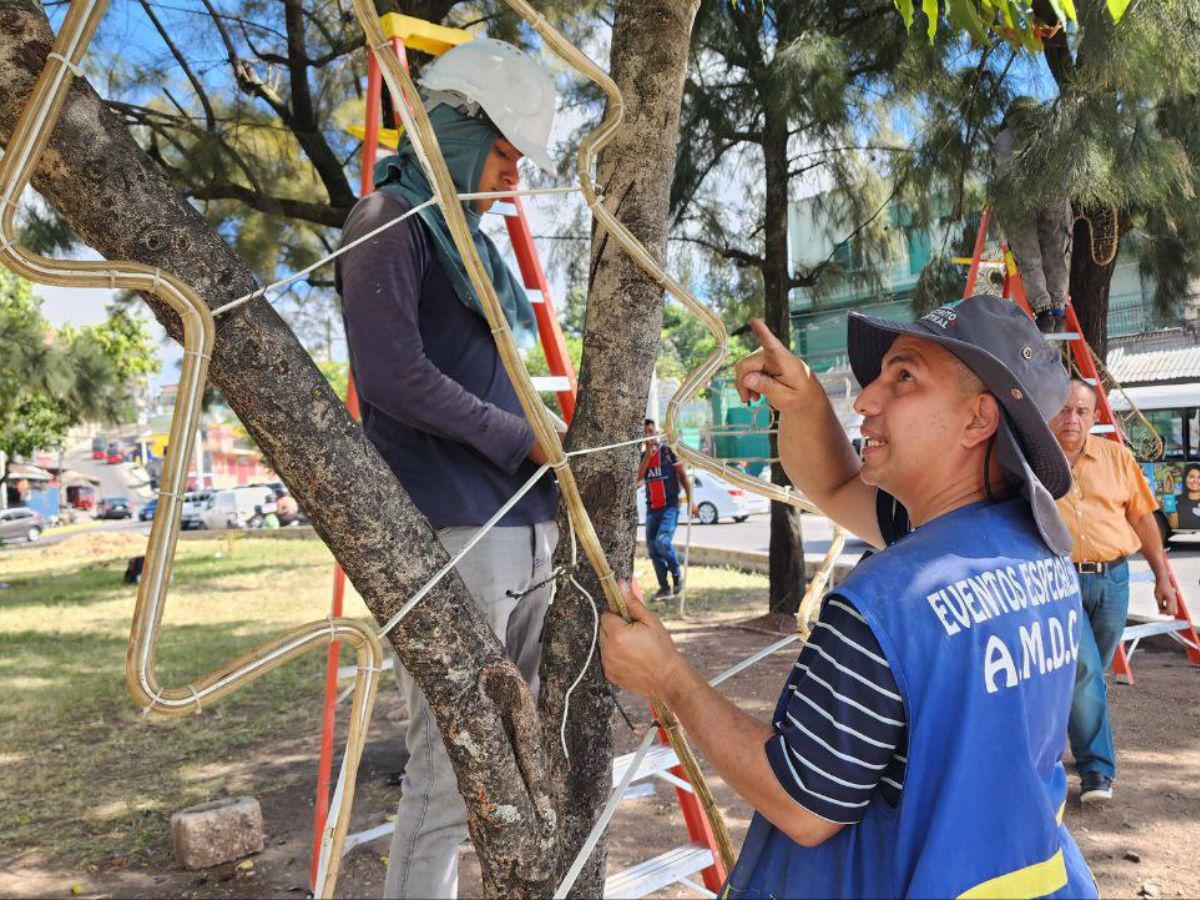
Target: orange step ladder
701,854
1180,627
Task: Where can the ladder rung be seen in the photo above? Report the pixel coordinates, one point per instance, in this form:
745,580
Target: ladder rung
1091,381
659,758
1062,336
1135,632
535,295
363,837
554,383
503,208
659,872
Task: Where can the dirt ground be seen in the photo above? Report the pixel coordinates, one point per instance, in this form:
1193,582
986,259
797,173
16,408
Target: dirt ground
1147,841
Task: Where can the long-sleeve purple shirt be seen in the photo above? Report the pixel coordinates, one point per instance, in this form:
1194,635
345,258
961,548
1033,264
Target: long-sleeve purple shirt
435,399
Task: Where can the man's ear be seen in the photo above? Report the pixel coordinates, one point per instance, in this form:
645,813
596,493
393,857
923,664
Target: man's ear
984,420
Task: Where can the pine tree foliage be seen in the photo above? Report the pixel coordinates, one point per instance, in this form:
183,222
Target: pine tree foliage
52,380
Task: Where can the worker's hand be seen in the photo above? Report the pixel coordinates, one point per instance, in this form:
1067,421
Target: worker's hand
774,372
538,455
638,655
1164,595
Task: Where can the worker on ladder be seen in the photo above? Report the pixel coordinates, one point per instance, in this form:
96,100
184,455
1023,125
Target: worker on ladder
1037,228
916,749
438,405
1110,512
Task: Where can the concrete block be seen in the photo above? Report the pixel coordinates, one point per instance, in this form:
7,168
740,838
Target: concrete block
217,832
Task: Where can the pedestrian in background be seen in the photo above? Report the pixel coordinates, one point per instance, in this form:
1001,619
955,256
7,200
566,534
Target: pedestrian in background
1110,513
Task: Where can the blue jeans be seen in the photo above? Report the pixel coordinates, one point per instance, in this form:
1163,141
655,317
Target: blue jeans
660,532
1105,607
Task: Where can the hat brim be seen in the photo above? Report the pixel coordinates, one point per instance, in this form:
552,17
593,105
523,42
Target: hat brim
1016,467
869,338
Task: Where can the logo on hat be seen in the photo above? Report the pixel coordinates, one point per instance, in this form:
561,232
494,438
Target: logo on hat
943,316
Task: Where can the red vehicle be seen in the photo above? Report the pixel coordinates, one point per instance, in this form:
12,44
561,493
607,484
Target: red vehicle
115,455
81,496
98,447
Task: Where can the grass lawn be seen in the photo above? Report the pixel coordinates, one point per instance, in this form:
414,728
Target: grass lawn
82,771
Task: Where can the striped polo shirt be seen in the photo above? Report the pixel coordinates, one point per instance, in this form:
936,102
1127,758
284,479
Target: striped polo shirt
840,723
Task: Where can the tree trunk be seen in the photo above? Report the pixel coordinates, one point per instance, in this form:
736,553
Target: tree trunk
786,558
111,194
621,338
1090,285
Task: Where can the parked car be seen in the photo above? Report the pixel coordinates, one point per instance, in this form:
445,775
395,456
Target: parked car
715,499
193,508
114,508
21,524
98,447
234,508
115,455
146,513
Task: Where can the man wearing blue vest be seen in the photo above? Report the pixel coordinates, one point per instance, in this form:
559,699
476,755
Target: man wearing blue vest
916,748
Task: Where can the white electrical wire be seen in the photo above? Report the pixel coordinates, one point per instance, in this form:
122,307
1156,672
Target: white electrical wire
432,201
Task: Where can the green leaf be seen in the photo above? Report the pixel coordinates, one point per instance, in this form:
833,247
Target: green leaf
905,8
930,7
1116,8
965,15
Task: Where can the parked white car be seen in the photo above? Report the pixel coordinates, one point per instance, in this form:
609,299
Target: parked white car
234,508
193,508
715,498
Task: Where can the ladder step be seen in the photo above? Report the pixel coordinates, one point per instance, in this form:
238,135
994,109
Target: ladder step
535,295
1062,336
371,834
659,758
659,872
1135,632
551,383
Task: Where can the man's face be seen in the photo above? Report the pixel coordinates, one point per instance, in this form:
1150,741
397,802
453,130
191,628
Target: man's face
916,416
1076,418
650,431
499,172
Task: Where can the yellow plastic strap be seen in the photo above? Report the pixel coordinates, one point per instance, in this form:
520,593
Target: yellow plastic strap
1036,880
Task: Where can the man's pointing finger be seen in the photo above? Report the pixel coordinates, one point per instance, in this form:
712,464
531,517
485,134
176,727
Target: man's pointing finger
766,339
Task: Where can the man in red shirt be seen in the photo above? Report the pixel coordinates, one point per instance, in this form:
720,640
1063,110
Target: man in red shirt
663,474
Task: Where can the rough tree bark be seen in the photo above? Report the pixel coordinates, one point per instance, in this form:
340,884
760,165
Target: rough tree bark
621,339
110,192
509,766
1090,285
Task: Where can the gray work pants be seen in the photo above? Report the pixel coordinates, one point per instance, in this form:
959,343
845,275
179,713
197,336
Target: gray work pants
431,821
1041,242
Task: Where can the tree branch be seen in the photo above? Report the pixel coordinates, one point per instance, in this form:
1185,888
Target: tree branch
742,258
197,85
316,213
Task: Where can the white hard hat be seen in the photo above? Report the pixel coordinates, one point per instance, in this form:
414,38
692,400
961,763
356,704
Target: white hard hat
516,93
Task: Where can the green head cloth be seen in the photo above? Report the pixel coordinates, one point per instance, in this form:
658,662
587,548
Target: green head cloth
465,142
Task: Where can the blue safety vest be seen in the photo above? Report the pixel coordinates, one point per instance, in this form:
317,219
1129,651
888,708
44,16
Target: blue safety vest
980,624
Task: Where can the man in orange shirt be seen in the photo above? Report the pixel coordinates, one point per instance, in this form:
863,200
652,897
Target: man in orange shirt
1110,513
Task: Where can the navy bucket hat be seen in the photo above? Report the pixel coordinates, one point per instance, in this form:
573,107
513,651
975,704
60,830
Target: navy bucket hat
998,342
